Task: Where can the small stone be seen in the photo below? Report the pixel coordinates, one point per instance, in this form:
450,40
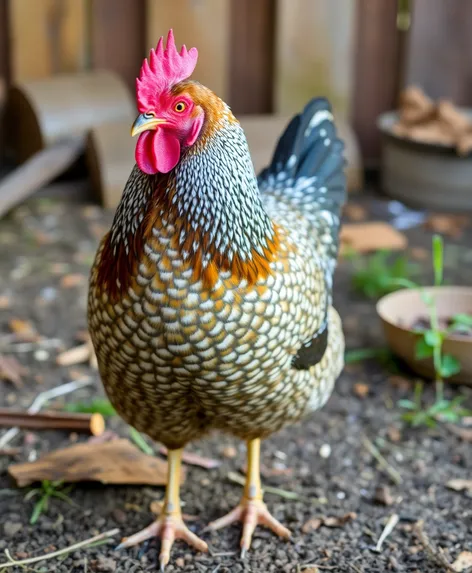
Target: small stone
10,528
41,355
394,434
205,482
383,496
341,495
230,452
119,515
361,390
105,564
325,451
180,562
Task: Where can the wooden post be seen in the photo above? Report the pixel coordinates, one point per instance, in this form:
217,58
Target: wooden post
252,53
4,64
118,36
376,71
440,49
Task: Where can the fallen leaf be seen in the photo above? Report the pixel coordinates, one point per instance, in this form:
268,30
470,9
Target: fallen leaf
460,485
369,237
463,561
75,355
11,370
316,522
23,329
195,459
361,390
72,280
383,496
115,462
339,521
312,525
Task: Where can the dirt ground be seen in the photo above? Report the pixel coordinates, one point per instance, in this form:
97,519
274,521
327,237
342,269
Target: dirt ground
47,248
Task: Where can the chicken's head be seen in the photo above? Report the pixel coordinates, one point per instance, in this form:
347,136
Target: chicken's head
170,119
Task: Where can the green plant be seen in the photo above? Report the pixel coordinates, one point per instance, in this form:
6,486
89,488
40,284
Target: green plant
380,274
97,406
46,491
430,345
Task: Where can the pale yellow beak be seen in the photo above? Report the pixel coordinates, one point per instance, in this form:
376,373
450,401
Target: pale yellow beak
145,122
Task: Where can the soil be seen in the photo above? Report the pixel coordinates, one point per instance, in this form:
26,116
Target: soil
47,249
424,323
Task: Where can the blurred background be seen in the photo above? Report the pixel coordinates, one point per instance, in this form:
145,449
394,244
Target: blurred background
261,56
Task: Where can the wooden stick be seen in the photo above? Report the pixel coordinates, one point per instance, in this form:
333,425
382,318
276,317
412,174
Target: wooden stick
89,423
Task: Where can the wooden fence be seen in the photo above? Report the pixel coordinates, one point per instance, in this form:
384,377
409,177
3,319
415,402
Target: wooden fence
262,56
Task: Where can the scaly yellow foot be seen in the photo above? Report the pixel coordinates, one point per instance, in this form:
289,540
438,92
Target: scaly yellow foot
169,526
252,511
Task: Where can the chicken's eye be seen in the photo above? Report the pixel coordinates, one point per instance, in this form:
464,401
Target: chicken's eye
180,106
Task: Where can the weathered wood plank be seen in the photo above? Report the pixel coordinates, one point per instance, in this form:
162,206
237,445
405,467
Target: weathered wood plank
314,45
440,49
47,37
201,23
376,71
118,40
252,56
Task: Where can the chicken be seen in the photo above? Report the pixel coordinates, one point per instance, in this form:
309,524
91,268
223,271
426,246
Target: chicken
210,297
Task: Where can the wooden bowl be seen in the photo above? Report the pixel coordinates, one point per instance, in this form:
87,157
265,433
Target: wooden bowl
399,310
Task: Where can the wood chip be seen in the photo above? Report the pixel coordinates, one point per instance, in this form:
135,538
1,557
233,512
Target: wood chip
316,522
24,330
370,237
460,485
11,370
72,280
230,452
394,434
463,561
4,302
75,355
383,496
312,525
361,390
115,462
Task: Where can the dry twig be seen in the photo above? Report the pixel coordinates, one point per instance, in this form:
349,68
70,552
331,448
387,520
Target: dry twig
389,527
436,555
87,542
42,399
383,463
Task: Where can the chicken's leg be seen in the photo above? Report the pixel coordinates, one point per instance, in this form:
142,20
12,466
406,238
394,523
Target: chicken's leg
252,511
169,526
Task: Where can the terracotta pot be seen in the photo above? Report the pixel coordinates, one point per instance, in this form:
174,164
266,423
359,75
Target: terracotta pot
399,310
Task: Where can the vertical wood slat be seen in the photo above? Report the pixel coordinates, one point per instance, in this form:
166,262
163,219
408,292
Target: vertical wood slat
376,70
47,37
252,56
4,63
118,40
313,54
201,23
440,49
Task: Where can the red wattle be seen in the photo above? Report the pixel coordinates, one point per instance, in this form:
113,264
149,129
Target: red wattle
157,151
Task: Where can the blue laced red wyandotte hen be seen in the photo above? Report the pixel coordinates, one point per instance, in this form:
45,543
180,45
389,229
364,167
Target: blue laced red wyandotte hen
210,297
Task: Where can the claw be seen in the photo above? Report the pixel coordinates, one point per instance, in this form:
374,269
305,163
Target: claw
252,513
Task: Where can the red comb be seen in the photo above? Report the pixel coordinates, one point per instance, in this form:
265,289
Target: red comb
165,68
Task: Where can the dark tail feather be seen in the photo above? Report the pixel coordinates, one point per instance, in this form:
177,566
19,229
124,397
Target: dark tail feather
309,157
